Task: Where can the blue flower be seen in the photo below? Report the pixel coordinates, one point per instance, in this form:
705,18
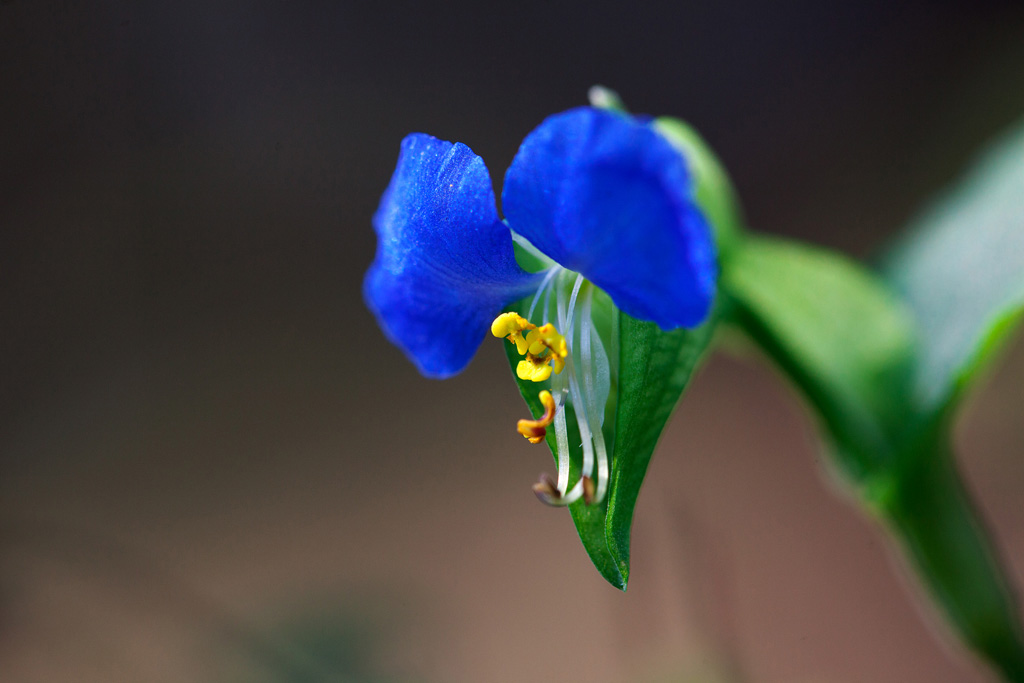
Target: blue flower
599,195
598,192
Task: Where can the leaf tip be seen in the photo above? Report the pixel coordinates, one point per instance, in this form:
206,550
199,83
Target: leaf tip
612,570
622,575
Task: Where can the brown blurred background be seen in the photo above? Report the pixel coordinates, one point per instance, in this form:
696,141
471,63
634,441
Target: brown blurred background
214,468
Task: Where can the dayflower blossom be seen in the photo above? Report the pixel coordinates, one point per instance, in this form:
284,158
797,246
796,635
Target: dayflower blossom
604,202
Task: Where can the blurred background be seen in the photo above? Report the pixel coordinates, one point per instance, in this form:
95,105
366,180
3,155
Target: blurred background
213,467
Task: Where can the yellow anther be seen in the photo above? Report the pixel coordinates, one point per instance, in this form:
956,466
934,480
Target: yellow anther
533,369
511,325
534,430
545,341
558,362
545,349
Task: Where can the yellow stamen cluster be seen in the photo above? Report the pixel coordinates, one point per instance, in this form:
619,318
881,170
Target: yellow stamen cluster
534,430
545,349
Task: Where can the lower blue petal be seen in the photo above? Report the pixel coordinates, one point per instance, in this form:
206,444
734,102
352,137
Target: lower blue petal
607,196
445,265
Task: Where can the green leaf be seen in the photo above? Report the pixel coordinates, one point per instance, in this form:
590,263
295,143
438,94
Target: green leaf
960,268
837,332
654,367
883,363
714,190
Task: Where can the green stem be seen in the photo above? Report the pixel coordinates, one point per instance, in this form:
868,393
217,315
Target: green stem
945,540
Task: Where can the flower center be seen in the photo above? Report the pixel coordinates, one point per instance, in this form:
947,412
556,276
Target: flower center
566,302
545,349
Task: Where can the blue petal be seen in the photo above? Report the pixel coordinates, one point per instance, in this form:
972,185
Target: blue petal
607,196
445,266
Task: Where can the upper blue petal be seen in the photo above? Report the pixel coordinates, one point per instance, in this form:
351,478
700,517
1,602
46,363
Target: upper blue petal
607,196
444,266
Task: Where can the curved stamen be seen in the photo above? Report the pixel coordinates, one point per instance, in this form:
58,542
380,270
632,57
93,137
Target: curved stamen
594,412
559,384
534,430
578,403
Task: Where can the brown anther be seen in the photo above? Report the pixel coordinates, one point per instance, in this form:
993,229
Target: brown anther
547,490
532,434
589,489
534,430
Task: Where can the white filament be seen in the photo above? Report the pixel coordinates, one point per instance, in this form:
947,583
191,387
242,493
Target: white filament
579,404
561,432
567,322
561,380
543,290
572,301
595,413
